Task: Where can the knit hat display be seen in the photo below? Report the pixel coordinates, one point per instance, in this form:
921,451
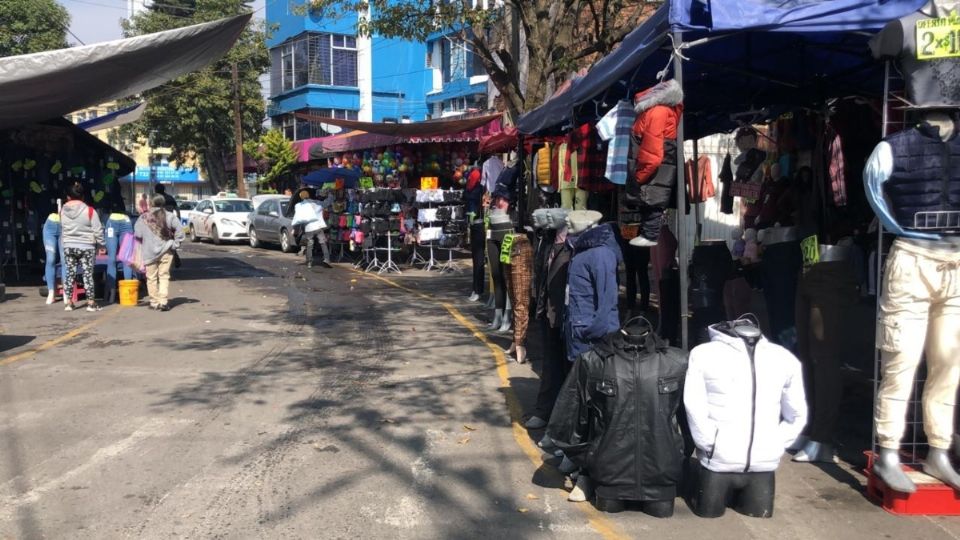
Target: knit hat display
581,220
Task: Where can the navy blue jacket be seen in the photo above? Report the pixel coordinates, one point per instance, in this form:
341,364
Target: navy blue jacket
592,290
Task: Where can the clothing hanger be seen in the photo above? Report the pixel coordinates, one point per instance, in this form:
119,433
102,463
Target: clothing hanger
633,337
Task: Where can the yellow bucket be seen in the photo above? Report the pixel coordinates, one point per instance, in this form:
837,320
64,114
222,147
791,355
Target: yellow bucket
129,292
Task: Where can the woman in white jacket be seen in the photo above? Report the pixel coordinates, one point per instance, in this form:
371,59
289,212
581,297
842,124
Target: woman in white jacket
744,407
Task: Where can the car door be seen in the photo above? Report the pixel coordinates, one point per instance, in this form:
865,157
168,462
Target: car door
206,219
265,224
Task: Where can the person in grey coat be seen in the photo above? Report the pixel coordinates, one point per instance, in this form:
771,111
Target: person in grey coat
81,234
160,233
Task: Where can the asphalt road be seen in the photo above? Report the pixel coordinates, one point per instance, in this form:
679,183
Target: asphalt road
277,402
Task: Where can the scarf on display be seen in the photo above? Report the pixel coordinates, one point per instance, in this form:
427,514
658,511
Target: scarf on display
157,226
473,179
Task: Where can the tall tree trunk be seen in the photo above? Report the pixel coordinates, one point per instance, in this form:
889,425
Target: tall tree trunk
213,162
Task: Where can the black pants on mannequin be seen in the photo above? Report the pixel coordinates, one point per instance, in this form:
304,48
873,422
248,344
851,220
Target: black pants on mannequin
750,494
499,279
781,267
478,246
554,369
637,260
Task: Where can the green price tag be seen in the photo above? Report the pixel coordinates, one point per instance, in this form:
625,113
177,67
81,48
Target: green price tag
938,38
810,247
505,249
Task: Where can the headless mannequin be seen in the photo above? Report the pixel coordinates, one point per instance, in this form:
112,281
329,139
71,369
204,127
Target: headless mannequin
930,81
635,332
937,464
749,493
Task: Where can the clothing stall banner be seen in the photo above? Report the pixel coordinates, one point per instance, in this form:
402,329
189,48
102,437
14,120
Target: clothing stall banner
35,87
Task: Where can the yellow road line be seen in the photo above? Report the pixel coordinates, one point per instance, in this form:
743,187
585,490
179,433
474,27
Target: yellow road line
6,360
600,523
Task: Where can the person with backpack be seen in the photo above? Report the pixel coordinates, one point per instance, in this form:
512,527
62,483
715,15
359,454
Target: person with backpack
160,234
171,205
81,234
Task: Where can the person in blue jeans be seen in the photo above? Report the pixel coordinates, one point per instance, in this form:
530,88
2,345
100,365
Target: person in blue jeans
54,253
118,224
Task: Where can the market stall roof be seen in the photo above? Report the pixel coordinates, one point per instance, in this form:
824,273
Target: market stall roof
353,141
115,119
737,52
428,128
53,83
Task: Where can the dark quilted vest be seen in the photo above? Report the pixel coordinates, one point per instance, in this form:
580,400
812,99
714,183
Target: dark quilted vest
926,174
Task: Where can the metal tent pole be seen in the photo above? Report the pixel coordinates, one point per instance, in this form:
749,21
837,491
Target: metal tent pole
681,206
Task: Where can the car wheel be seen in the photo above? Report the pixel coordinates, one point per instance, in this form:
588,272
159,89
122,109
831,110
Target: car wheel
254,241
193,235
215,235
286,245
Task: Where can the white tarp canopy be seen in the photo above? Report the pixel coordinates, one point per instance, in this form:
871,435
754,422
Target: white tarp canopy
35,87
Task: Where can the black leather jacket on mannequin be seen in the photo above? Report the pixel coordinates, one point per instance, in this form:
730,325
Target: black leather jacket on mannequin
617,417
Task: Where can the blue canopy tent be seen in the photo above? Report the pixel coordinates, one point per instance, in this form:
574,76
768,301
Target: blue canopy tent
329,175
730,56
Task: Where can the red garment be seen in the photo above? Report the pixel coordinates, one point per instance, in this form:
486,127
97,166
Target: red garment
473,179
591,160
703,189
838,182
654,126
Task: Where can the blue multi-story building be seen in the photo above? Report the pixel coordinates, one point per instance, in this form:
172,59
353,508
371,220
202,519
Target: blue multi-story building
322,68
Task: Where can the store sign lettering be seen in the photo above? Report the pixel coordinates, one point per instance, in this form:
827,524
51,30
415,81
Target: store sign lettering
938,38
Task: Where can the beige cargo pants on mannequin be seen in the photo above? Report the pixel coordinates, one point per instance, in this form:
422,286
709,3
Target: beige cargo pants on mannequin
919,312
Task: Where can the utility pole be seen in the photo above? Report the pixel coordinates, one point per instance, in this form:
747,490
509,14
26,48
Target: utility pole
238,133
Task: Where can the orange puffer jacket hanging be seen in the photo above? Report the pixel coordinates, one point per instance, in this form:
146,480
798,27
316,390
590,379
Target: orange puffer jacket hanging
658,113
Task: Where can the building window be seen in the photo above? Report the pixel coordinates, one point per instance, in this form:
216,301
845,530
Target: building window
453,60
298,129
325,59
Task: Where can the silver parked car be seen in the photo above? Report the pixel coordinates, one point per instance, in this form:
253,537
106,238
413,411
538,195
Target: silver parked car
269,225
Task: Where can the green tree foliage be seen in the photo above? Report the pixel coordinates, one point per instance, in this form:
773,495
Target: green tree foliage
193,115
528,47
276,156
30,26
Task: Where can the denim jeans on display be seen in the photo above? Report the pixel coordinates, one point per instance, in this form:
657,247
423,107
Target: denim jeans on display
119,227
54,253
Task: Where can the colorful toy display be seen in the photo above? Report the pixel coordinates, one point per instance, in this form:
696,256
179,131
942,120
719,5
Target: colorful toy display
403,165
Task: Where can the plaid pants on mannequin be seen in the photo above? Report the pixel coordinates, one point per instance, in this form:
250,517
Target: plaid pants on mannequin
519,275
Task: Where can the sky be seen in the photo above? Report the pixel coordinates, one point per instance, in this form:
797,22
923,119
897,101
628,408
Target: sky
94,21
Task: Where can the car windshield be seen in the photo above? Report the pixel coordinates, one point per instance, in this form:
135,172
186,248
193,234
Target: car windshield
187,205
233,206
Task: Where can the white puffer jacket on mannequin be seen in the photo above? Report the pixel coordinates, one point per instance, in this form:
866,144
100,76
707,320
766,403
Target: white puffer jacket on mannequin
730,402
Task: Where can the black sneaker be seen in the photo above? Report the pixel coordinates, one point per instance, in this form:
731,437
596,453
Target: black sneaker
163,307
325,264
93,307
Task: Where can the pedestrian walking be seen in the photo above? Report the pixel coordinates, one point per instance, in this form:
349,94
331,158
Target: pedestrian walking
309,213
160,234
171,206
143,205
81,234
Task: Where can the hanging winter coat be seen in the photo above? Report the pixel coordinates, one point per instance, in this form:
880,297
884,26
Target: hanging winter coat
652,161
592,290
743,413
617,417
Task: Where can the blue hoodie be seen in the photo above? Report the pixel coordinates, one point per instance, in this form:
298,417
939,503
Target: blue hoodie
592,290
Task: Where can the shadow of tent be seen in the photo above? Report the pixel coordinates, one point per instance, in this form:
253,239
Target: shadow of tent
8,342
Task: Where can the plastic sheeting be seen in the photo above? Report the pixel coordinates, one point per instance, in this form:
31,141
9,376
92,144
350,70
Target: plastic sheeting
115,119
45,85
429,128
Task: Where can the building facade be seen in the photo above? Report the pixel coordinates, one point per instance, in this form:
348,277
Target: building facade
324,69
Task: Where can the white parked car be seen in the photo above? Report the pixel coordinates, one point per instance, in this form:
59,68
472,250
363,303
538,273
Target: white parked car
220,219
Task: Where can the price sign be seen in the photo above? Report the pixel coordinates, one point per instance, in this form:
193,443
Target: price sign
810,247
505,249
938,38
